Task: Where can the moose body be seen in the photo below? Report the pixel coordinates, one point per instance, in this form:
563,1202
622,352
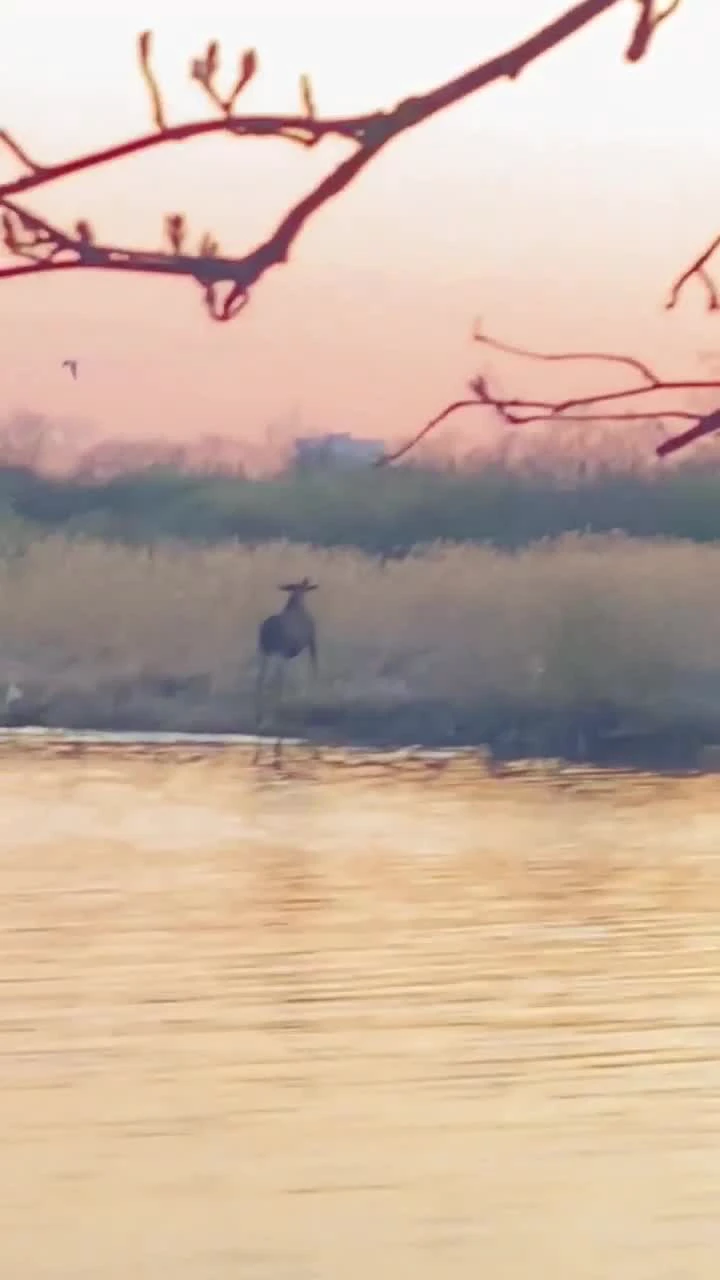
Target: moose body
284,636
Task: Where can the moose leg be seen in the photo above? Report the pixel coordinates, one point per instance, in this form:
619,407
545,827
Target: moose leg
269,679
268,692
312,675
312,659
260,689
279,681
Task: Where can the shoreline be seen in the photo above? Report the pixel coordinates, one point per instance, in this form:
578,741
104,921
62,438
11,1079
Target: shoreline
596,737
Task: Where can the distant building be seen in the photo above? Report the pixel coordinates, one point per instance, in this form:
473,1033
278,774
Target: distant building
337,451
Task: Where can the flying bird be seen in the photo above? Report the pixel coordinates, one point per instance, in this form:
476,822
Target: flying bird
72,365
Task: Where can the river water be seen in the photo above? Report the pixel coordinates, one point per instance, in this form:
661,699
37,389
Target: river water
354,1016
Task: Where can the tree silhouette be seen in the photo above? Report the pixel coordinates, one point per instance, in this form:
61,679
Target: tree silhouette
38,246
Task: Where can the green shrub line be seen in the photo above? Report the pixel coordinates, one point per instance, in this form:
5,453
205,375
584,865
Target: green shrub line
381,512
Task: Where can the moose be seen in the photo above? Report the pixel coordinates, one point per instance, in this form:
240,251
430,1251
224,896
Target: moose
284,636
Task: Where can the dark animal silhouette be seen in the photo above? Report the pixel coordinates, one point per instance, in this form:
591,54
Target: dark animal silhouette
284,636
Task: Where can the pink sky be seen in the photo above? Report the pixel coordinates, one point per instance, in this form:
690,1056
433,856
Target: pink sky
558,208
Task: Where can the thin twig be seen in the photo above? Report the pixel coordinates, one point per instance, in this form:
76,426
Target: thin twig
698,268
629,362
648,21
148,75
429,427
19,153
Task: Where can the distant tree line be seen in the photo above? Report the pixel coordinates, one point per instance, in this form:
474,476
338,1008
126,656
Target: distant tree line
386,512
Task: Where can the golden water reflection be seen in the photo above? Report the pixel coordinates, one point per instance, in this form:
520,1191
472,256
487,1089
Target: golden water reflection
383,1016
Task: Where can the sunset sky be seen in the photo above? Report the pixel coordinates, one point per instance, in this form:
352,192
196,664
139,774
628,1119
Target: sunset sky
558,208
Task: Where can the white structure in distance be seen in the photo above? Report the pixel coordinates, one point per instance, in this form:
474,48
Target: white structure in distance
336,451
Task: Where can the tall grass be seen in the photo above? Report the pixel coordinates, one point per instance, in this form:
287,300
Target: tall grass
445,641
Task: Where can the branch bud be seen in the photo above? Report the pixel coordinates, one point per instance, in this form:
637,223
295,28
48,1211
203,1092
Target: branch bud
175,230
308,100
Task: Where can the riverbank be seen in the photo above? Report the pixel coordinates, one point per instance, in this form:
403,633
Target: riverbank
507,733
598,649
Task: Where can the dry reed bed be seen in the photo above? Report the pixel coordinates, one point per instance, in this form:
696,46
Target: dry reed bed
577,618
567,624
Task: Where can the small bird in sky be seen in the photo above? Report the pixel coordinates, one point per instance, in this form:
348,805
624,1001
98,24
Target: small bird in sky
72,365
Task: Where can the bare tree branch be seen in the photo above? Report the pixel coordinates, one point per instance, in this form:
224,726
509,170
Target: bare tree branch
38,246
226,281
587,408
